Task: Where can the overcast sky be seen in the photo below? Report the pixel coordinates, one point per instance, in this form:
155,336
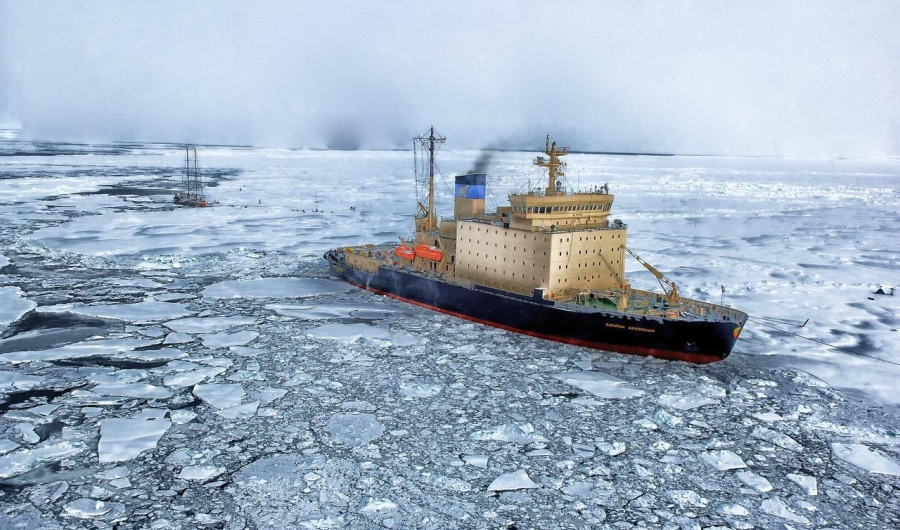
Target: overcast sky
788,78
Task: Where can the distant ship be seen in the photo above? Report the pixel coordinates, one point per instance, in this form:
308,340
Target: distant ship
549,265
191,192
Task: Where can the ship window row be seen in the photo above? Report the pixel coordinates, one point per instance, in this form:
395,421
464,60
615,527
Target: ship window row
562,208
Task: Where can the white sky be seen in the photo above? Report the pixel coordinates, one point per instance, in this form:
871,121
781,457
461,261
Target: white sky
801,78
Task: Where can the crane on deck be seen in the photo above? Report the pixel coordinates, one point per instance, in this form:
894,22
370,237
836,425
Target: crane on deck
671,291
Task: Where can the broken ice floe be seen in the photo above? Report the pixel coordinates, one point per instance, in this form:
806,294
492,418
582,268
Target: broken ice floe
862,457
778,508
220,395
207,324
519,433
806,482
354,430
149,310
754,481
13,305
203,472
125,438
328,311
274,288
135,390
95,348
781,440
685,402
600,384
723,460
85,508
517,480
418,390
353,332
22,460
225,340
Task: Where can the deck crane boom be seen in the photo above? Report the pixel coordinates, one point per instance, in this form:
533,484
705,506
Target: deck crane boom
671,292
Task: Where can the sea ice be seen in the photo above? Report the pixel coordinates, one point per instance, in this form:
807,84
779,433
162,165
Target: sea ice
520,433
18,462
220,395
98,348
275,288
599,384
517,480
204,472
225,340
135,390
754,481
723,460
207,324
806,482
354,430
125,438
149,310
685,402
778,508
353,332
861,456
418,390
476,460
13,305
86,508
781,440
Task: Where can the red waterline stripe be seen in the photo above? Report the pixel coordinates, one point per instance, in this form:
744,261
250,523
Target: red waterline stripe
630,350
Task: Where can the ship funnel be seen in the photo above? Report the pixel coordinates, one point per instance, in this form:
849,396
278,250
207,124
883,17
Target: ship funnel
469,195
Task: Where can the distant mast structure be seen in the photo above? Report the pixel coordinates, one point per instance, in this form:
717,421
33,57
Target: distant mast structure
426,218
191,193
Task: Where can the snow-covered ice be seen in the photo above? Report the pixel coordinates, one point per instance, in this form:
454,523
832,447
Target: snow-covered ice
202,368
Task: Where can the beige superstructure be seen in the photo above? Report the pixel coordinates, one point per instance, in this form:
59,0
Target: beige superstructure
548,239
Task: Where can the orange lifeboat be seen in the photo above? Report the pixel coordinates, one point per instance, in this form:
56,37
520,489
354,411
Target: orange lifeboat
405,252
429,252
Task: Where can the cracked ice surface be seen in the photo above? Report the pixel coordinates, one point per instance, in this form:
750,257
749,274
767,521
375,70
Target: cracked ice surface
232,383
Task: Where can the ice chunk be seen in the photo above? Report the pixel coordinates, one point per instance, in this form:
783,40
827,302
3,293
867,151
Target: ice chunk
806,482
192,377
207,324
274,288
777,508
354,430
86,508
206,472
777,438
517,480
149,310
353,332
123,438
862,457
664,418
767,416
92,348
732,509
419,390
178,338
476,460
611,449
685,402
687,498
135,390
13,305
600,384
754,481
240,411
519,433
18,462
378,505
18,381
723,460
220,396
225,340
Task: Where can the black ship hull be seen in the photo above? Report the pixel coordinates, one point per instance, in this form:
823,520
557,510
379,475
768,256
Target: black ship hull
667,338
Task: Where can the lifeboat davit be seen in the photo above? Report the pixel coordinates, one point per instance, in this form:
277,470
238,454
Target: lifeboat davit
429,252
405,252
